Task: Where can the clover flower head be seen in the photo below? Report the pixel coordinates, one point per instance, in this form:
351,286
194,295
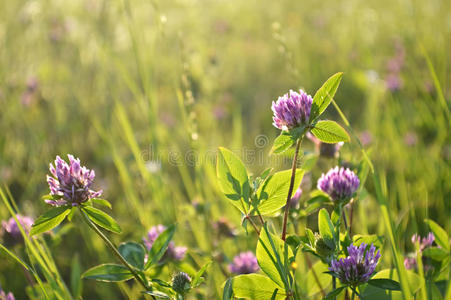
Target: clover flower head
172,252
425,242
11,228
358,267
244,263
339,183
70,182
4,296
410,262
292,110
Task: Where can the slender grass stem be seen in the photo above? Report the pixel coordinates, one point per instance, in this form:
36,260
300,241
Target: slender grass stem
290,190
114,249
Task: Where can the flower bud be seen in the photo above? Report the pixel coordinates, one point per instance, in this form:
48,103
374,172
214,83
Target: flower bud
181,283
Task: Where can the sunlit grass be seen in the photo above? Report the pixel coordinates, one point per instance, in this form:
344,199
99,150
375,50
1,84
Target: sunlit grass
145,91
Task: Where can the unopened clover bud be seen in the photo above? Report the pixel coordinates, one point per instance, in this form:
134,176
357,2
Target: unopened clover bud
324,248
181,283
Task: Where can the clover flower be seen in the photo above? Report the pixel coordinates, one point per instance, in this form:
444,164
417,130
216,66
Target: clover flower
11,229
366,138
410,262
292,110
244,263
4,296
358,267
70,183
172,252
339,183
425,242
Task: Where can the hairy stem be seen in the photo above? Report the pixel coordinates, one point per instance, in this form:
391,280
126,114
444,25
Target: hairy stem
113,249
290,190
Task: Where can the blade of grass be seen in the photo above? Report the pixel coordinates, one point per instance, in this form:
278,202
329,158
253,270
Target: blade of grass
52,275
26,267
421,271
437,85
351,131
402,273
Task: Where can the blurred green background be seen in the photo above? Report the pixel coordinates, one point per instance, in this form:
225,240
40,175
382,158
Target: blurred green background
145,91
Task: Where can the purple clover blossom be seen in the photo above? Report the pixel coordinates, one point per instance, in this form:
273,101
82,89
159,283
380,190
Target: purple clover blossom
244,263
172,252
11,228
410,262
71,182
339,183
292,110
358,267
4,296
425,242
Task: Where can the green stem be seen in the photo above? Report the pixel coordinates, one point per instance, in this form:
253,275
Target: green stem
290,190
113,249
253,224
353,295
334,284
423,290
351,211
345,222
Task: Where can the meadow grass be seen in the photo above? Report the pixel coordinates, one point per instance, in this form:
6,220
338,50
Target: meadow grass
144,92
